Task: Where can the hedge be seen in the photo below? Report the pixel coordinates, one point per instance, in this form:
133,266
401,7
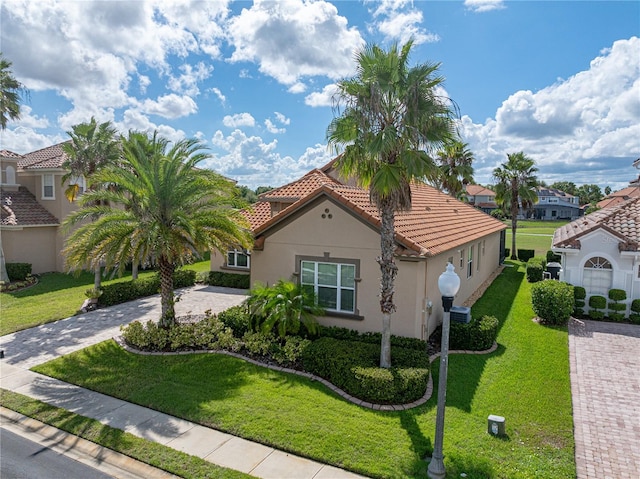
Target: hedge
525,255
597,303
552,257
634,317
552,301
18,271
372,338
477,335
579,294
353,367
229,280
535,269
117,293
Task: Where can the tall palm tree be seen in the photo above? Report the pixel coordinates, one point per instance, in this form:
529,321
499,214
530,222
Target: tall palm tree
92,146
515,188
390,118
10,92
455,165
162,210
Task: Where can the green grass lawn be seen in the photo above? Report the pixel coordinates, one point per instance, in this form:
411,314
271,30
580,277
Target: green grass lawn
533,234
526,380
56,296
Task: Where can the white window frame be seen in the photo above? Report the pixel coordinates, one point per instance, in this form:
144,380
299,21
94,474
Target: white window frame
234,254
45,185
80,181
339,287
470,262
597,270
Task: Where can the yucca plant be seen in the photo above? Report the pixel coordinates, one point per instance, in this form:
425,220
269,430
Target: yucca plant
283,308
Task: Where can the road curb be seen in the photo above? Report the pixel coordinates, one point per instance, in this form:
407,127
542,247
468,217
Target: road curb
84,451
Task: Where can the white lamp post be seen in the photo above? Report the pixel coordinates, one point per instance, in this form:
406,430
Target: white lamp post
448,283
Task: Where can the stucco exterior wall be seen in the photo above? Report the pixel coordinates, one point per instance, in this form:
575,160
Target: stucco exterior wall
602,243
35,245
328,230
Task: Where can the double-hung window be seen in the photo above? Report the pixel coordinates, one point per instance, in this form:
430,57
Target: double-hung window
470,262
238,259
333,284
47,187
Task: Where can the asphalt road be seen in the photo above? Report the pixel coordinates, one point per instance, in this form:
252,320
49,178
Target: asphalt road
24,459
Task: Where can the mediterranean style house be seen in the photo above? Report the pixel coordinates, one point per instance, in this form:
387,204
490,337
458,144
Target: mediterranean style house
554,204
32,207
601,251
481,197
322,232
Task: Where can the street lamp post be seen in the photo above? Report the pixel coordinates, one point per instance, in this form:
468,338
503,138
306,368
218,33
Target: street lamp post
448,283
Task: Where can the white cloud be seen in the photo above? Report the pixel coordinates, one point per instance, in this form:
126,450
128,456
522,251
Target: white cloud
22,139
135,120
400,20
169,106
294,39
272,128
589,122
281,118
187,82
218,93
27,120
144,81
322,98
480,6
239,119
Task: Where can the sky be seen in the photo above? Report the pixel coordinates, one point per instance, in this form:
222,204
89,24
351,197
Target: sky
557,80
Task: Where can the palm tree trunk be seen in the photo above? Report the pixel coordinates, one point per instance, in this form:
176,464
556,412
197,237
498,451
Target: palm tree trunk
168,317
134,269
514,226
388,270
97,278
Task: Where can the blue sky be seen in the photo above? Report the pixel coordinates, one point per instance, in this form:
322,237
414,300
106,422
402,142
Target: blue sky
253,80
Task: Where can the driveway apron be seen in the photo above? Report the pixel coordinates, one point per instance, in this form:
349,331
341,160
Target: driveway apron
605,386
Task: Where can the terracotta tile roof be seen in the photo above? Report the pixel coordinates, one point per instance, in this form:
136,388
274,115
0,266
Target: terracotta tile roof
258,214
20,208
475,190
632,191
295,190
50,157
622,220
436,222
10,154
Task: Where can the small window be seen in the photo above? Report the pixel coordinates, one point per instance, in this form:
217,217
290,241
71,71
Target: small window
238,259
461,259
333,284
80,181
470,262
478,260
47,187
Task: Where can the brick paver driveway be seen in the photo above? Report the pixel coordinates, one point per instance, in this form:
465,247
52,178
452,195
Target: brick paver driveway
605,385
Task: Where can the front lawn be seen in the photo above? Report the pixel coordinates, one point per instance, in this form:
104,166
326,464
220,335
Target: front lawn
533,234
56,296
526,380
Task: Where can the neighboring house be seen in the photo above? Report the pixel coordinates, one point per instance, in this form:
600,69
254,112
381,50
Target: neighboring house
554,204
631,191
601,251
33,206
323,233
482,198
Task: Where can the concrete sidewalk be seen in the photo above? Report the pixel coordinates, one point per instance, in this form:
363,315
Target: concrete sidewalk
27,348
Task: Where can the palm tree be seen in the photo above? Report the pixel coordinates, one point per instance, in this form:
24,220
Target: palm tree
515,188
92,146
162,210
10,92
389,117
455,168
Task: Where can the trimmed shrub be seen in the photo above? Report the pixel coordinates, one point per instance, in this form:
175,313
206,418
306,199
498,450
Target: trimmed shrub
478,335
525,255
117,293
229,280
353,367
617,309
535,269
579,294
236,318
552,257
634,317
552,301
372,338
507,252
617,294
183,278
18,271
596,305
497,214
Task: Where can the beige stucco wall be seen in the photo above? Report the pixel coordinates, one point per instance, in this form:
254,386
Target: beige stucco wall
345,236
38,246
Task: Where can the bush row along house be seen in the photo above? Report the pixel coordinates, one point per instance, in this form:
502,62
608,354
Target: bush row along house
322,232
601,251
552,203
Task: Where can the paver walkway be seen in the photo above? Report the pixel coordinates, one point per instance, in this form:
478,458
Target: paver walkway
605,386
28,348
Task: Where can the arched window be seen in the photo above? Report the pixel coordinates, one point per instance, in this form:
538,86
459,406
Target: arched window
11,175
597,276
